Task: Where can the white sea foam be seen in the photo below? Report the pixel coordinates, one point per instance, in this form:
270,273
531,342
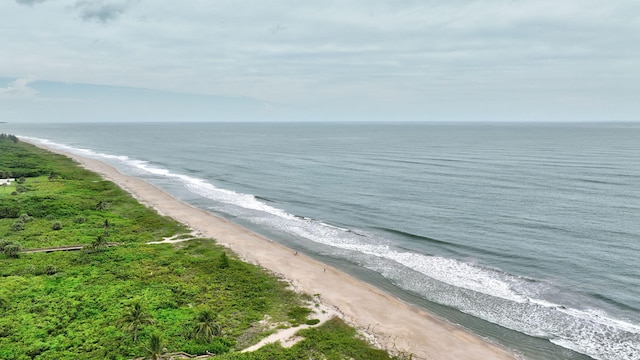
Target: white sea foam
598,348
246,201
74,150
198,186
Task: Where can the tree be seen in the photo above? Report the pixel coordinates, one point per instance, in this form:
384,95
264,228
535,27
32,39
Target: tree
99,243
135,319
155,350
206,327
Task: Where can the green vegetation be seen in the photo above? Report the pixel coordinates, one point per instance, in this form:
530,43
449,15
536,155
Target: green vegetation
135,319
334,340
134,299
76,203
206,328
155,349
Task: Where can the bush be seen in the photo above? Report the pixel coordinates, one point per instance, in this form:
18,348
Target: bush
50,270
12,250
56,226
312,322
216,346
17,226
8,212
298,314
224,260
4,243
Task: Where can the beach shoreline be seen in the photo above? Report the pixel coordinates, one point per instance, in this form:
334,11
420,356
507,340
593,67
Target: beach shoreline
395,325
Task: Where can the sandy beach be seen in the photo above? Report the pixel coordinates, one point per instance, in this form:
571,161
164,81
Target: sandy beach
395,325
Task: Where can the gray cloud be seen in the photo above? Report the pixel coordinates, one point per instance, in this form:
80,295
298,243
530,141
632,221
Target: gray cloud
30,2
461,59
100,10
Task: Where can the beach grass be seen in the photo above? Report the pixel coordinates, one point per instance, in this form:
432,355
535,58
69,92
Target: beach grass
81,304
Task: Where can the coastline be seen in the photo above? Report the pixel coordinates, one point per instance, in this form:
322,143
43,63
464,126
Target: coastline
395,325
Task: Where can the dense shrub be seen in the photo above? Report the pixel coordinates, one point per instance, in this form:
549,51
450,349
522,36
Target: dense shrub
50,270
12,250
9,211
17,225
5,243
312,322
298,314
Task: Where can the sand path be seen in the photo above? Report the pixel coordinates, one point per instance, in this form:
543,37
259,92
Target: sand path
394,324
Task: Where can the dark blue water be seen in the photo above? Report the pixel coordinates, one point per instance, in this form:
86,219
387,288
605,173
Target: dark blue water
528,234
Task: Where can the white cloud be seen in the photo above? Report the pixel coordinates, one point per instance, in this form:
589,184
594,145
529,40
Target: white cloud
18,88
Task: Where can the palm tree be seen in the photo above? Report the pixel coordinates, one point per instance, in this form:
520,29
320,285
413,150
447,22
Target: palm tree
206,327
99,242
102,205
155,349
135,319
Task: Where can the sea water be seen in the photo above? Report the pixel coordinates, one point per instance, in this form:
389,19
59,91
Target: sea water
526,234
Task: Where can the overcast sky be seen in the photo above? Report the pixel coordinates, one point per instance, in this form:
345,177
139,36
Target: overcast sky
255,60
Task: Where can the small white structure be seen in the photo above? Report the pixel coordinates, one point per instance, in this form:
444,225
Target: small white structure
6,181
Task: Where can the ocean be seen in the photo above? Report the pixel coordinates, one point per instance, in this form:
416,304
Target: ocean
526,234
